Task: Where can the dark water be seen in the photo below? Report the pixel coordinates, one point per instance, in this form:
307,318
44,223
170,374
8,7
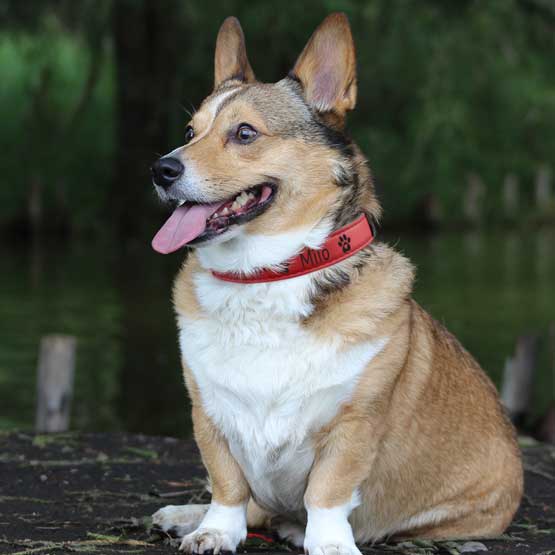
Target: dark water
486,287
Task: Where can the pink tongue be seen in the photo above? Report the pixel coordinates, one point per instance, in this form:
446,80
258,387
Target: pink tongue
266,192
186,223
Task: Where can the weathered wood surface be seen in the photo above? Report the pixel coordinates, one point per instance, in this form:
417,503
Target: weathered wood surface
93,493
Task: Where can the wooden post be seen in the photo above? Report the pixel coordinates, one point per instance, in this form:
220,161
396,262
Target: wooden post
473,202
544,428
543,188
56,369
511,196
551,342
518,376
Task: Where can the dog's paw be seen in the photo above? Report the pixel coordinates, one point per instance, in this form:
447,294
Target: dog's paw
291,532
328,532
210,540
222,529
332,549
179,520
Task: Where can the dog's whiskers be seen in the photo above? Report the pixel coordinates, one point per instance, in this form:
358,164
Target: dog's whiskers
189,112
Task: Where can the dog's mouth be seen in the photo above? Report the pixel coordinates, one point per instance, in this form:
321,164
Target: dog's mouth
192,223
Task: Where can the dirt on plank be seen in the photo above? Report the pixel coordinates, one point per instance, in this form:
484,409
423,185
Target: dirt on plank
94,493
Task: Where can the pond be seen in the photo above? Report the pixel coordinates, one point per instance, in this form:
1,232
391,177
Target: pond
486,287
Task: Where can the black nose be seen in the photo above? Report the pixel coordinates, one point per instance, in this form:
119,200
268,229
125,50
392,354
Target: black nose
165,171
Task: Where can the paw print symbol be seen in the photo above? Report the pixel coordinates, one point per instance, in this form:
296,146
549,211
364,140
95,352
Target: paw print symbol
345,243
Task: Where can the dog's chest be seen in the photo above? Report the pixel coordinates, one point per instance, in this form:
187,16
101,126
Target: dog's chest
267,382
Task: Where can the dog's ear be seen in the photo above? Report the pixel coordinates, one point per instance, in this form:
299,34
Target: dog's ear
326,67
231,60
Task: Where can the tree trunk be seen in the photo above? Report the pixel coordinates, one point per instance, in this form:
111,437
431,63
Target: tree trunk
543,187
473,204
511,200
146,44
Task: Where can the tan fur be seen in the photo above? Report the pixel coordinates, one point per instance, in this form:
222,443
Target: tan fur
422,391
231,54
424,430
184,297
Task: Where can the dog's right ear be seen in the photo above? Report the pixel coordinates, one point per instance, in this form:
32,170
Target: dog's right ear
231,60
326,67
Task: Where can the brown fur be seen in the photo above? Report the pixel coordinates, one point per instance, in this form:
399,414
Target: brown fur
424,430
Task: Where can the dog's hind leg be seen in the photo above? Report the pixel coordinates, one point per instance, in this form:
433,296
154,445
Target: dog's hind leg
179,520
286,529
292,532
256,516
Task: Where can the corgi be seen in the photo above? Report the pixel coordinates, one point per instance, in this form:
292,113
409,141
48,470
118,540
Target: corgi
326,403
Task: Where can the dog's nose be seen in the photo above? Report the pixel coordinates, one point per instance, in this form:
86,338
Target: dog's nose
166,170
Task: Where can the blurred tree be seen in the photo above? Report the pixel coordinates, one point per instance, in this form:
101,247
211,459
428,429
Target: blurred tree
57,89
447,90
147,39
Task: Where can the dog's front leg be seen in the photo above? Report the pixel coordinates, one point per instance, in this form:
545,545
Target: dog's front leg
225,524
343,462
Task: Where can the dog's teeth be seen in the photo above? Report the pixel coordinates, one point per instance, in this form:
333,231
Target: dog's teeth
235,205
225,211
241,200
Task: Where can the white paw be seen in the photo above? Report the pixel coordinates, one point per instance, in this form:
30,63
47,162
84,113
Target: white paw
223,528
332,549
328,531
291,532
179,520
209,539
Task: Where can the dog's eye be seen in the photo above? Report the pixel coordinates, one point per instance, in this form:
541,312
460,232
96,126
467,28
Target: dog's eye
245,133
189,134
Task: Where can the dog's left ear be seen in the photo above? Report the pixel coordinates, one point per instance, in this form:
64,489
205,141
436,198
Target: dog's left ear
231,60
326,67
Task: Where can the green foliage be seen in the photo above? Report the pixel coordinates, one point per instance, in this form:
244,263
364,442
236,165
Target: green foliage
445,89
44,140
452,90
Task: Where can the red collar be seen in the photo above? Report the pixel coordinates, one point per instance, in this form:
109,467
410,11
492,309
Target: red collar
341,244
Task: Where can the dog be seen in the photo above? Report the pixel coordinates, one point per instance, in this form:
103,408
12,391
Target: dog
326,403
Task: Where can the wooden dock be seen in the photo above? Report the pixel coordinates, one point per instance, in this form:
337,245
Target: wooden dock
94,493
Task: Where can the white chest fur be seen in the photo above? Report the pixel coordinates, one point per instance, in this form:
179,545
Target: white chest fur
267,382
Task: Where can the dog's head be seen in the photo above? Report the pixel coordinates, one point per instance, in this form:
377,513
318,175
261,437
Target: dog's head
267,166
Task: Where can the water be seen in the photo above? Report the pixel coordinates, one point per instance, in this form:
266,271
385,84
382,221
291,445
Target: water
486,287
